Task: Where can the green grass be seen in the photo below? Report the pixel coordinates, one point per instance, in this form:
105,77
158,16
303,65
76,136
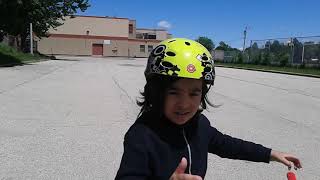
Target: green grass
10,56
315,72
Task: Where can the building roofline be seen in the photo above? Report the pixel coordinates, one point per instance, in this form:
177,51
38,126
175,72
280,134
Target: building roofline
75,36
145,40
151,29
108,17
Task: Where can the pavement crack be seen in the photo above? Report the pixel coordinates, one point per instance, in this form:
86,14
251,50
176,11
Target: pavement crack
33,79
264,111
291,91
122,90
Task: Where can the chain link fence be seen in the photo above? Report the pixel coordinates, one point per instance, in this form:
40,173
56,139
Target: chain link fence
294,51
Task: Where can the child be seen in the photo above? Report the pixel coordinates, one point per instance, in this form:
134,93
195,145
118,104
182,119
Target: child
171,138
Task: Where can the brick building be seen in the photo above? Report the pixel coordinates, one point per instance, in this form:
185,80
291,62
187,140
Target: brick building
101,36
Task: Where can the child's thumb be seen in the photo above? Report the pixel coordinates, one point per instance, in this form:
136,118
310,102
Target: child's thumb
286,162
182,166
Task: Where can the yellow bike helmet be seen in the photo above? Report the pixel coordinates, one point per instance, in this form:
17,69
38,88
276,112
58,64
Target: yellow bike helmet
181,57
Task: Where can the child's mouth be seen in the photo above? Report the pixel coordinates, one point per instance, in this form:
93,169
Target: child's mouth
181,113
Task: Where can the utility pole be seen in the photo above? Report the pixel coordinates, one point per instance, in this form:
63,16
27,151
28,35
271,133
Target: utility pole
244,39
250,50
31,39
292,50
302,57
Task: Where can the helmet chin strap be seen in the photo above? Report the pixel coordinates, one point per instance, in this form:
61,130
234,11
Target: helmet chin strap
208,88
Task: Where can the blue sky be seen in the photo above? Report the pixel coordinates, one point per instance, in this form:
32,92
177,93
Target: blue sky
218,20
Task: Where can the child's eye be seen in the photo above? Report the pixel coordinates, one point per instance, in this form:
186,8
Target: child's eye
195,94
172,92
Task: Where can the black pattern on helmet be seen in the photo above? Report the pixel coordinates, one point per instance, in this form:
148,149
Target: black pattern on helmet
156,64
208,72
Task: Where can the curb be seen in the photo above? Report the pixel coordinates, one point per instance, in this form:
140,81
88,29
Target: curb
11,64
271,71
22,63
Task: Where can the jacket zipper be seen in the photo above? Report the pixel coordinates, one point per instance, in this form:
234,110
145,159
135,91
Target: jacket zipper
189,150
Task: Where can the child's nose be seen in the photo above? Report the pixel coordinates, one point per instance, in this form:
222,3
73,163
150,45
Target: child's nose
183,102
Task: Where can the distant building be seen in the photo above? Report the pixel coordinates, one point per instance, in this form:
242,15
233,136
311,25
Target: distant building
218,55
101,36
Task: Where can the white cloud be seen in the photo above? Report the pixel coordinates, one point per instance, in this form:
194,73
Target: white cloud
164,24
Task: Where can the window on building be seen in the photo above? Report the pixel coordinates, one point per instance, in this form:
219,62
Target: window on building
130,28
145,35
139,36
152,36
150,47
142,48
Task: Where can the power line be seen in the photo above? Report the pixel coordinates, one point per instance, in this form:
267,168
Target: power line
286,38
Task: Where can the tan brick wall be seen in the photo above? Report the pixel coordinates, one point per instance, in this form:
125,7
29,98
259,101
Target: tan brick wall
134,47
64,46
116,48
96,26
74,46
77,46
71,38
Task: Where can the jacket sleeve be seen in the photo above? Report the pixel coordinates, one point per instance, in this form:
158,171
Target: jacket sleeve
134,162
228,147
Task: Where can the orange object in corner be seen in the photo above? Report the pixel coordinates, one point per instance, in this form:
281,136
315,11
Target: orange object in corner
291,176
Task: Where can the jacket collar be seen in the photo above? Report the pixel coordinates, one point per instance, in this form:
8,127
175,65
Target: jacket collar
169,131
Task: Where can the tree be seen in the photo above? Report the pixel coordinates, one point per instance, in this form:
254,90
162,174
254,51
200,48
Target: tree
239,58
266,58
284,59
297,51
275,47
223,46
16,15
254,53
206,42
2,34
255,46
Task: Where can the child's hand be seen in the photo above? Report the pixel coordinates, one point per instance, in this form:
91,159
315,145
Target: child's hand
285,158
179,172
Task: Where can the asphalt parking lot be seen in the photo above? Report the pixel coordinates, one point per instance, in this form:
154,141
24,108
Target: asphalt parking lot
65,119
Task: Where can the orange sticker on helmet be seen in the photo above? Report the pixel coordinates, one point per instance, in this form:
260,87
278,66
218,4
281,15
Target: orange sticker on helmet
191,68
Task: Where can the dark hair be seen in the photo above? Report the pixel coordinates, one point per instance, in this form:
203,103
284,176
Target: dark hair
154,94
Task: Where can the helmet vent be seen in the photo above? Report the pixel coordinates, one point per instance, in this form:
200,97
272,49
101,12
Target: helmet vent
204,58
208,69
187,43
166,64
169,53
158,50
171,41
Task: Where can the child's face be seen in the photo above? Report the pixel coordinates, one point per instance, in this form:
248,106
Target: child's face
182,100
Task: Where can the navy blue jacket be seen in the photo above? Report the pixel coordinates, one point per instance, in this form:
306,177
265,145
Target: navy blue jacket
153,148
